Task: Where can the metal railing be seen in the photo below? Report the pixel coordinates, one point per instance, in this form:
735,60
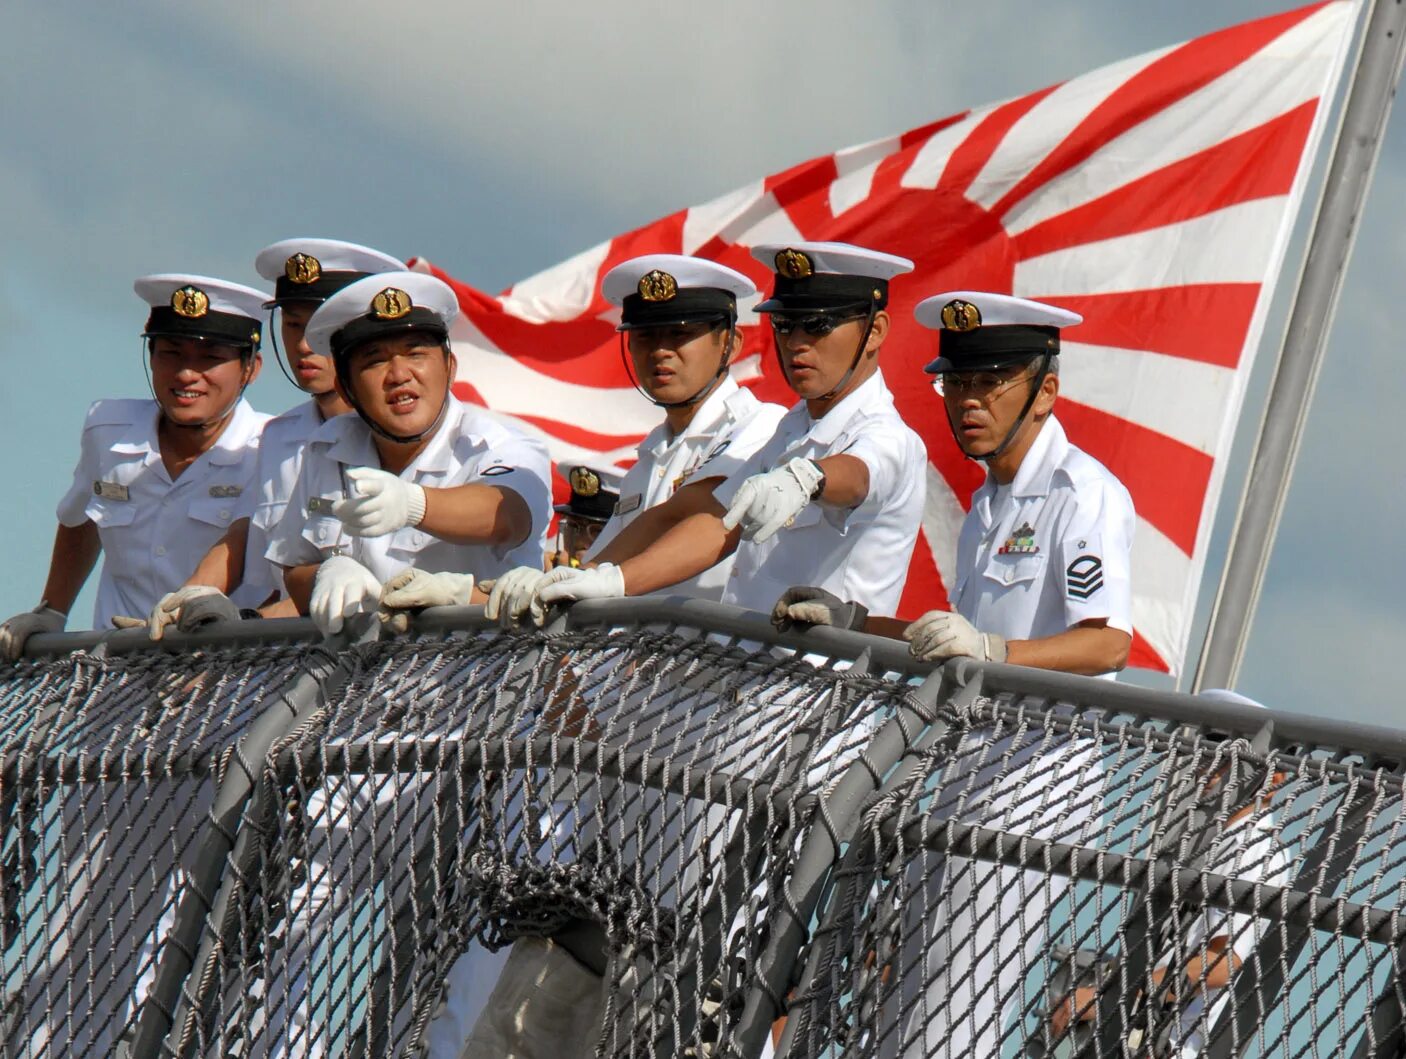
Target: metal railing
251,842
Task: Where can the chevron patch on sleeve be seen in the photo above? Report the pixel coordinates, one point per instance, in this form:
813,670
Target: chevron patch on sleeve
1084,576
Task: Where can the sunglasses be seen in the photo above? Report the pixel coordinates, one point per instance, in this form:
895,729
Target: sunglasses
817,325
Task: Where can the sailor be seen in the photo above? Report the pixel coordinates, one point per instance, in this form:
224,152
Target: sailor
305,273
678,340
1044,557
416,479
159,481
830,499
594,493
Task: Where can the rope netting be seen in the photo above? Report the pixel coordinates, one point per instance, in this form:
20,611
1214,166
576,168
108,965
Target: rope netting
280,849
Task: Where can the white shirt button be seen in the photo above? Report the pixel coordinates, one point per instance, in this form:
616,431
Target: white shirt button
161,549
224,512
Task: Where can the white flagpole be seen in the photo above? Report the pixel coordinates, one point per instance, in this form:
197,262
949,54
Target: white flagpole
1369,97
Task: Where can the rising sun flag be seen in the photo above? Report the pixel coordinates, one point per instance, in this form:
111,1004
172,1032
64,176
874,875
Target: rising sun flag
1155,196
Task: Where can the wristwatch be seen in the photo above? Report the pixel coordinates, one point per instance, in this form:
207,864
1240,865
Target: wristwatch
819,485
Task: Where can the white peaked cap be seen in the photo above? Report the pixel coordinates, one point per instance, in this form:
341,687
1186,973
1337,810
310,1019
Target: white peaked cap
997,310
332,255
838,259
222,296
689,273
359,300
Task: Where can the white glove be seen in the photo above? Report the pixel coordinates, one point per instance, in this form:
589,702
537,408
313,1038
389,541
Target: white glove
412,589
380,503
511,596
941,634
342,588
21,627
567,583
174,609
768,501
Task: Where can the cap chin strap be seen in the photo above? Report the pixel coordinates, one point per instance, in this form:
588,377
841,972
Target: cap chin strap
708,387
853,364
278,356
244,359
1015,427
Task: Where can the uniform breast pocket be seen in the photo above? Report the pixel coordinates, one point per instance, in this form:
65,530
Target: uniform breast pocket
323,532
268,515
799,551
110,514
1012,570
405,544
215,511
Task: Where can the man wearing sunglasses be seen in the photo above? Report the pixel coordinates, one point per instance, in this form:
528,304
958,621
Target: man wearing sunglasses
1044,556
830,499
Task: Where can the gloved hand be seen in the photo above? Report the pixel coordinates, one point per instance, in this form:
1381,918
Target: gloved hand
189,608
942,634
380,503
773,499
21,627
415,589
566,583
342,588
511,596
128,621
815,606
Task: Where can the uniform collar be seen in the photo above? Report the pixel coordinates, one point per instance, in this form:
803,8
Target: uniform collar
1045,455
714,407
352,442
870,395
142,436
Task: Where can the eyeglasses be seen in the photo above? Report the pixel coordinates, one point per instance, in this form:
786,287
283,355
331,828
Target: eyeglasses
817,326
985,386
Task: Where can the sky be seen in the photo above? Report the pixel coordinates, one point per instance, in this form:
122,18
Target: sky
497,140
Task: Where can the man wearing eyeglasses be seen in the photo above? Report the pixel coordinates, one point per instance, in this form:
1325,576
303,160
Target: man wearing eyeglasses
1044,556
830,499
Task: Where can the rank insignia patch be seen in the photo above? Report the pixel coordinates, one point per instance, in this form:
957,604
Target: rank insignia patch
657,286
224,492
1020,542
794,264
1084,576
190,302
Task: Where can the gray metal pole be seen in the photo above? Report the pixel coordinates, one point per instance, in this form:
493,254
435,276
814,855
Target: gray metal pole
1370,94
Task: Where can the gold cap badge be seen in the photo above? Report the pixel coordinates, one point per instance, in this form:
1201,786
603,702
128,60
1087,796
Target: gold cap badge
657,286
302,268
190,302
391,304
794,264
959,315
584,481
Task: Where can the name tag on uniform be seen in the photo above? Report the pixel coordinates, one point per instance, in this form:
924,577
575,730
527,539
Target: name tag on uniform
111,491
225,492
628,504
319,505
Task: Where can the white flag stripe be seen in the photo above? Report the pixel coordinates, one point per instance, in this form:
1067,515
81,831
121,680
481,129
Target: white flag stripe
1160,573
510,386
767,222
1285,74
1167,394
856,167
702,223
563,453
1232,245
931,159
562,292
1044,127
942,522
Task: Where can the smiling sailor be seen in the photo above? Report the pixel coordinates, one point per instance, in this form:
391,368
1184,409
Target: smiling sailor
159,481
416,479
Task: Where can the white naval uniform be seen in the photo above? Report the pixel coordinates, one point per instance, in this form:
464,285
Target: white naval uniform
280,460
1034,558
469,446
858,553
155,530
729,426
1079,565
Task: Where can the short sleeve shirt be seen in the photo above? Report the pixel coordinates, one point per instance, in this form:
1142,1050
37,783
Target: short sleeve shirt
470,446
728,428
1051,549
861,553
155,530
280,459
